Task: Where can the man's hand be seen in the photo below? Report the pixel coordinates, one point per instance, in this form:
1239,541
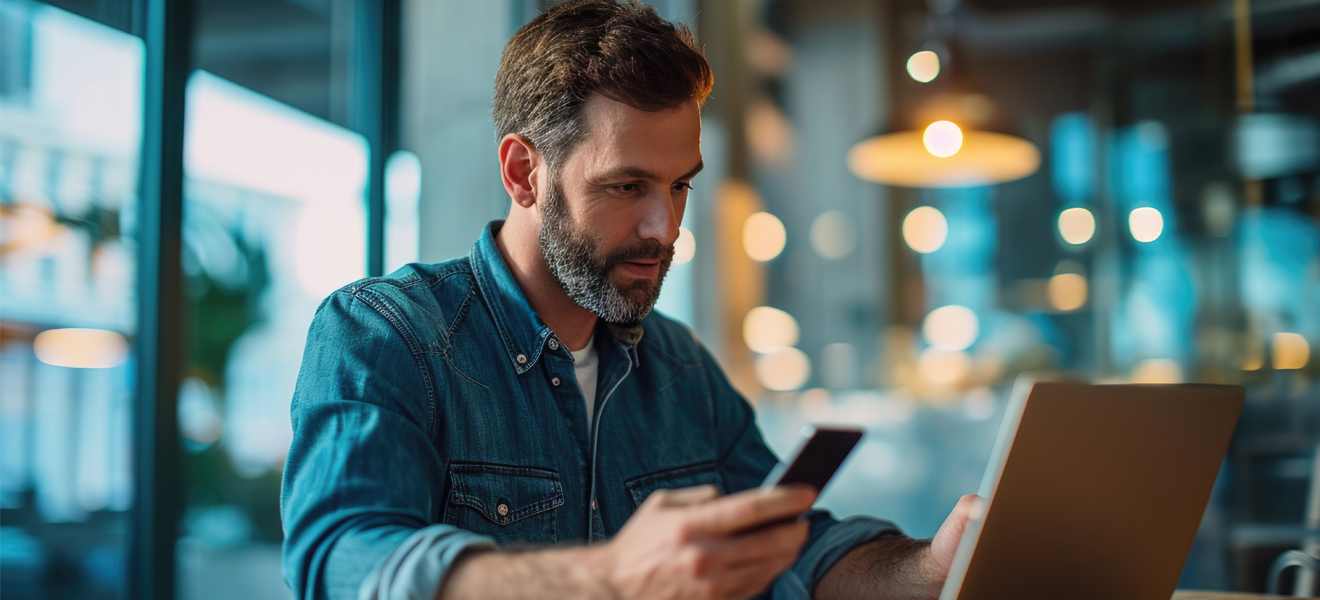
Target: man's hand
945,542
900,567
691,544
680,544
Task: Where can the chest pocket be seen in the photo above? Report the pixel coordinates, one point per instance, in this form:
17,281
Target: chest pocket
671,479
513,505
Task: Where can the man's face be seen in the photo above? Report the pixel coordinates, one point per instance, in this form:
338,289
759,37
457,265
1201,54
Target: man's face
610,215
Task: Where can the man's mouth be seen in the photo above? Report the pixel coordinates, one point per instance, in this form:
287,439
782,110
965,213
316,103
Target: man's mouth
644,267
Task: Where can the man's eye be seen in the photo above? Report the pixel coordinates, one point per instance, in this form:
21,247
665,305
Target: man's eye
626,188
682,185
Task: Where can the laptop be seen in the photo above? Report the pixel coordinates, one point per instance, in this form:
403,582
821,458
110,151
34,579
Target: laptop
1094,492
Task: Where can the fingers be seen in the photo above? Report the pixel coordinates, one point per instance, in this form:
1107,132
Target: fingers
762,545
745,509
751,578
687,496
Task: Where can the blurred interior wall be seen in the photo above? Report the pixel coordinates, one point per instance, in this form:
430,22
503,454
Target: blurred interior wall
451,53
835,94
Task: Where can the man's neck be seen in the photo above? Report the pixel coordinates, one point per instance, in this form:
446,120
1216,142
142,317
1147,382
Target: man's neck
518,241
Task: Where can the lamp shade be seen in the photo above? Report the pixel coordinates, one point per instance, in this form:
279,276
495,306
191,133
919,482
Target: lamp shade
902,159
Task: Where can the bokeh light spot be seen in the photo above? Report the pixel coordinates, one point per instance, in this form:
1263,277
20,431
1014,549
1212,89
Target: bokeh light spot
925,229
763,236
784,369
924,66
81,348
943,367
1076,225
942,139
1146,224
767,329
1067,291
832,236
685,247
951,328
1157,370
1290,351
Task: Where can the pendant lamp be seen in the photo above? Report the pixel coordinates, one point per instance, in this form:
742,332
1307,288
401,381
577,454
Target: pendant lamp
949,144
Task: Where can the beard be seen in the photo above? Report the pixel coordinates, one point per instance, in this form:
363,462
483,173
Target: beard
572,255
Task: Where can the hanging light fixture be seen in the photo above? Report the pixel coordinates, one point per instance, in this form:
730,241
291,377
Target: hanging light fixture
948,146
906,158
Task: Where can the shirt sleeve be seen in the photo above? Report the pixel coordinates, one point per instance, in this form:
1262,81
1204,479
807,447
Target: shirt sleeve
744,462
362,476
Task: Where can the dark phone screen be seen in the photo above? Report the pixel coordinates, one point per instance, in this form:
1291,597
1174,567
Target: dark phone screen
822,455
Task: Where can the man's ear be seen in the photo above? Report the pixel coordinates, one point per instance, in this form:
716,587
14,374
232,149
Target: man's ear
519,166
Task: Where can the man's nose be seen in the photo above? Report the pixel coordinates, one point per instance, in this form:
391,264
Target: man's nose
660,220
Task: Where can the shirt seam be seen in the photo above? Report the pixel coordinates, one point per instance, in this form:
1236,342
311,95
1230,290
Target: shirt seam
376,302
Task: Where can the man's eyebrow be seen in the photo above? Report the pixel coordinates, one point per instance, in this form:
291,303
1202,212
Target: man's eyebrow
693,173
640,173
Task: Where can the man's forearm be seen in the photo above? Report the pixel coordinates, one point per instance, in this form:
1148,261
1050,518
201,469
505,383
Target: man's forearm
557,573
891,568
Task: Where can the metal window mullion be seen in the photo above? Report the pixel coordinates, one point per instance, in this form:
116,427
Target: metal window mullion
374,91
160,342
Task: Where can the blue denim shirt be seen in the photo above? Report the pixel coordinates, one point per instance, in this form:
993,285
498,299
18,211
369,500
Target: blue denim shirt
436,413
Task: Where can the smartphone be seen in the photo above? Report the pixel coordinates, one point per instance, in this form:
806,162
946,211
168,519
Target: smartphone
819,453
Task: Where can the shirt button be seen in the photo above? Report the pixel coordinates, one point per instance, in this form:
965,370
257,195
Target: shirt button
554,381
503,509
522,359
554,345
593,504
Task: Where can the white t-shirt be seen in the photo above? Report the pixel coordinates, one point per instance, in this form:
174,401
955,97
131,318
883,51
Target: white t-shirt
585,364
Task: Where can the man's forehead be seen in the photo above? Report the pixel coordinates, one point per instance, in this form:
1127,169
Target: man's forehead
619,136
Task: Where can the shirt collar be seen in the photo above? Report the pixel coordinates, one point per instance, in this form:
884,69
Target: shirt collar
522,332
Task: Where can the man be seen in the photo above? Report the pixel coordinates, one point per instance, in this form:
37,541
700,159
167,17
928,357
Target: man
517,423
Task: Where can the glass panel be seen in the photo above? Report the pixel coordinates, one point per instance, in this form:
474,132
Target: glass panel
71,108
274,221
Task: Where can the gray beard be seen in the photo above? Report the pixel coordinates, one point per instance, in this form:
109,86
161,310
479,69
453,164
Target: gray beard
571,255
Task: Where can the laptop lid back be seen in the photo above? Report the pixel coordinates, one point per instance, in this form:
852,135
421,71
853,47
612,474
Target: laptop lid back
1095,491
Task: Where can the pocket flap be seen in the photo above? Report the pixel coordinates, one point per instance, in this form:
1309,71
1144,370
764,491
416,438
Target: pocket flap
672,479
504,494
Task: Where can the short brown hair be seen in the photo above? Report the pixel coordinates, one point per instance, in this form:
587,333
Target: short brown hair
625,52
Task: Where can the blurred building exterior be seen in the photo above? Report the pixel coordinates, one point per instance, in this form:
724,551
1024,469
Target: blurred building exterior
1170,232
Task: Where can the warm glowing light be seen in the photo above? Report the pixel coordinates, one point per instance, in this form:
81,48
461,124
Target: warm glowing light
1067,291
685,247
1157,370
1290,351
924,229
951,327
25,225
924,66
943,367
832,236
763,236
784,369
1076,225
985,158
942,139
1146,224
767,329
769,133
81,348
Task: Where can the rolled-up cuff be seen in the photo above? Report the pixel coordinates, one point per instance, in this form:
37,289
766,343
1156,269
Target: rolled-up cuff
416,569
820,554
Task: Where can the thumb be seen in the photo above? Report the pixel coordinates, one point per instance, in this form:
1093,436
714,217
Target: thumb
945,542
